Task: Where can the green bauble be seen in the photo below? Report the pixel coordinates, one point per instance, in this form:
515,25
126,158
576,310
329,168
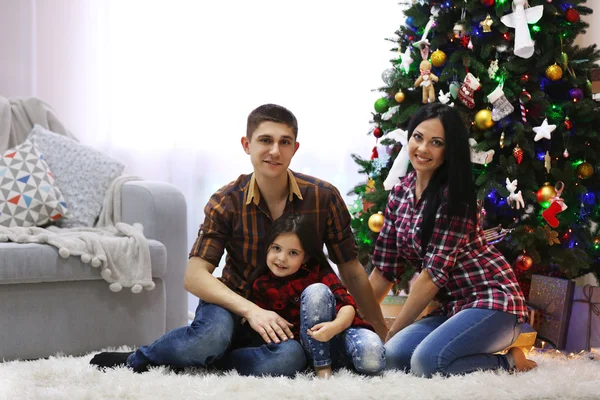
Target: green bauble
382,105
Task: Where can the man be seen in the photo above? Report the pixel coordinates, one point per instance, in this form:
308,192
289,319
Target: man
237,218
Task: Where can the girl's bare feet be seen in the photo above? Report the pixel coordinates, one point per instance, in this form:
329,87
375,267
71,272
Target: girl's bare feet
521,362
323,372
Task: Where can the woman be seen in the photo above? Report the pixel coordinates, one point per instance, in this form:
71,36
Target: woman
431,223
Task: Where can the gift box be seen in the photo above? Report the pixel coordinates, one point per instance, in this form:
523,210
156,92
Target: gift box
595,79
551,298
584,324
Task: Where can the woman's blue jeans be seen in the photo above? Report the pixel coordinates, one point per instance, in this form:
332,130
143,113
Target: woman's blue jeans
356,348
207,342
460,344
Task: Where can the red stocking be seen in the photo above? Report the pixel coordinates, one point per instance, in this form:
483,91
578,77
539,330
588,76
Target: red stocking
549,214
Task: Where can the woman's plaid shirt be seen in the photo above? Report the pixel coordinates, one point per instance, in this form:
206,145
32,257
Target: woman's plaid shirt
469,272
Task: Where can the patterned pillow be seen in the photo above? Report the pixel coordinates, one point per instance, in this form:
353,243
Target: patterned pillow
28,193
83,174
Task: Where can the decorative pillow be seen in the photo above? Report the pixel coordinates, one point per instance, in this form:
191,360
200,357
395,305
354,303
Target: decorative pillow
83,174
28,193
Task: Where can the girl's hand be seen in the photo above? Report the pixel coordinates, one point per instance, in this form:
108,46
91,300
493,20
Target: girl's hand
323,332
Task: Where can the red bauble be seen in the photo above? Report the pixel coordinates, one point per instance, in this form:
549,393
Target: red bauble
488,3
524,262
572,15
377,132
518,154
524,78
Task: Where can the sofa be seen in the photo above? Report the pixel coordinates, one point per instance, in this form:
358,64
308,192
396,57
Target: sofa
50,304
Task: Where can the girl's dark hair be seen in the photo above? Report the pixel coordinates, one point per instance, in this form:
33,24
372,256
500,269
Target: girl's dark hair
455,173
306,230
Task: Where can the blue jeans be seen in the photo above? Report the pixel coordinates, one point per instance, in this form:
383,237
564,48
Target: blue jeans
460,344
207,342
356,348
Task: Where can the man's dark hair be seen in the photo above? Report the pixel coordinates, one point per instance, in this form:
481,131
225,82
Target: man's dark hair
271,112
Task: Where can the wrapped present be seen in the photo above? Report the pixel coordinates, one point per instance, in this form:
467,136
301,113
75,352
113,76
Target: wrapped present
584,325
595,79
552,297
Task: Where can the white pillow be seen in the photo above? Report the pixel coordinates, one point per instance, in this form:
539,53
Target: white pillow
82,173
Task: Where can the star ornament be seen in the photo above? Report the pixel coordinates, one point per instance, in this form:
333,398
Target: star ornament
543,131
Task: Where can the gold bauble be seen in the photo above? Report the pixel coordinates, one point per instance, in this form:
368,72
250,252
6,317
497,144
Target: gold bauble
584,170
438,58
554,72
376,222
545,193
483,119
370,185
399,97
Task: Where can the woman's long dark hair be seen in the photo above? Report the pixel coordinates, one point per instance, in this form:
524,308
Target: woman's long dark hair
455,173
306,230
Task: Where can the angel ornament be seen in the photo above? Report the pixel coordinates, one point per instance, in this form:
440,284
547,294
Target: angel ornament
521,16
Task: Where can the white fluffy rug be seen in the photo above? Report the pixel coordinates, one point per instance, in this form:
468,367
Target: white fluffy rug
73,378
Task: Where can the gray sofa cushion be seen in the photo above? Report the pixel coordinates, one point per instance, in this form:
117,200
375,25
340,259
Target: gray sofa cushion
29,263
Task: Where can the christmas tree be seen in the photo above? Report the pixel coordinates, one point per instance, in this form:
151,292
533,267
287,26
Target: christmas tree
523,88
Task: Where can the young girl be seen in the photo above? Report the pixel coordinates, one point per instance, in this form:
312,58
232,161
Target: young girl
297,283
431,222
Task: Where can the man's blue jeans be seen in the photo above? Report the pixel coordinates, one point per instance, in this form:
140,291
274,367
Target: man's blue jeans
207,343
356,348
460,344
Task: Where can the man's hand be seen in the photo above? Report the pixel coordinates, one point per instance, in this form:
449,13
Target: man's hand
270,326
323,332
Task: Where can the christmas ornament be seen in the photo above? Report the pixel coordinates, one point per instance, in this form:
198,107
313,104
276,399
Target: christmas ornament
486,24
566,153
554,72
438,58
502,140
454,88
459,30
377,132
564,59
399,97
576,94
445,98
400,165
388,76
376,222
572,15
386,116
524,79
488,3
406,59
478,156
514,199
483,119
524,97
502,106
382,105
545,193
425,80
518,154
470,45
547,162
551,236
466,94
370,185
568,123
584,170
374,153
557,205
524,262
543,131
518,20
434,13
492,69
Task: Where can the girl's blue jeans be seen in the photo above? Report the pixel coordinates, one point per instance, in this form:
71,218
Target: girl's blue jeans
460,344
359,349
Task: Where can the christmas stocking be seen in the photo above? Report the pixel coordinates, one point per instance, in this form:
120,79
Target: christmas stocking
502,106
466,94
549,213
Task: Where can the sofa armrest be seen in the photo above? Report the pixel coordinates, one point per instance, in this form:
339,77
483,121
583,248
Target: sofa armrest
161,209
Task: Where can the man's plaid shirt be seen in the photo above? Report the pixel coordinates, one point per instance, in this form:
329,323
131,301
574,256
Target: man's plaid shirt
469,272
237,219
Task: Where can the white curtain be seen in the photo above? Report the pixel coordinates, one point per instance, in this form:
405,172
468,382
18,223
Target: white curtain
166,86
